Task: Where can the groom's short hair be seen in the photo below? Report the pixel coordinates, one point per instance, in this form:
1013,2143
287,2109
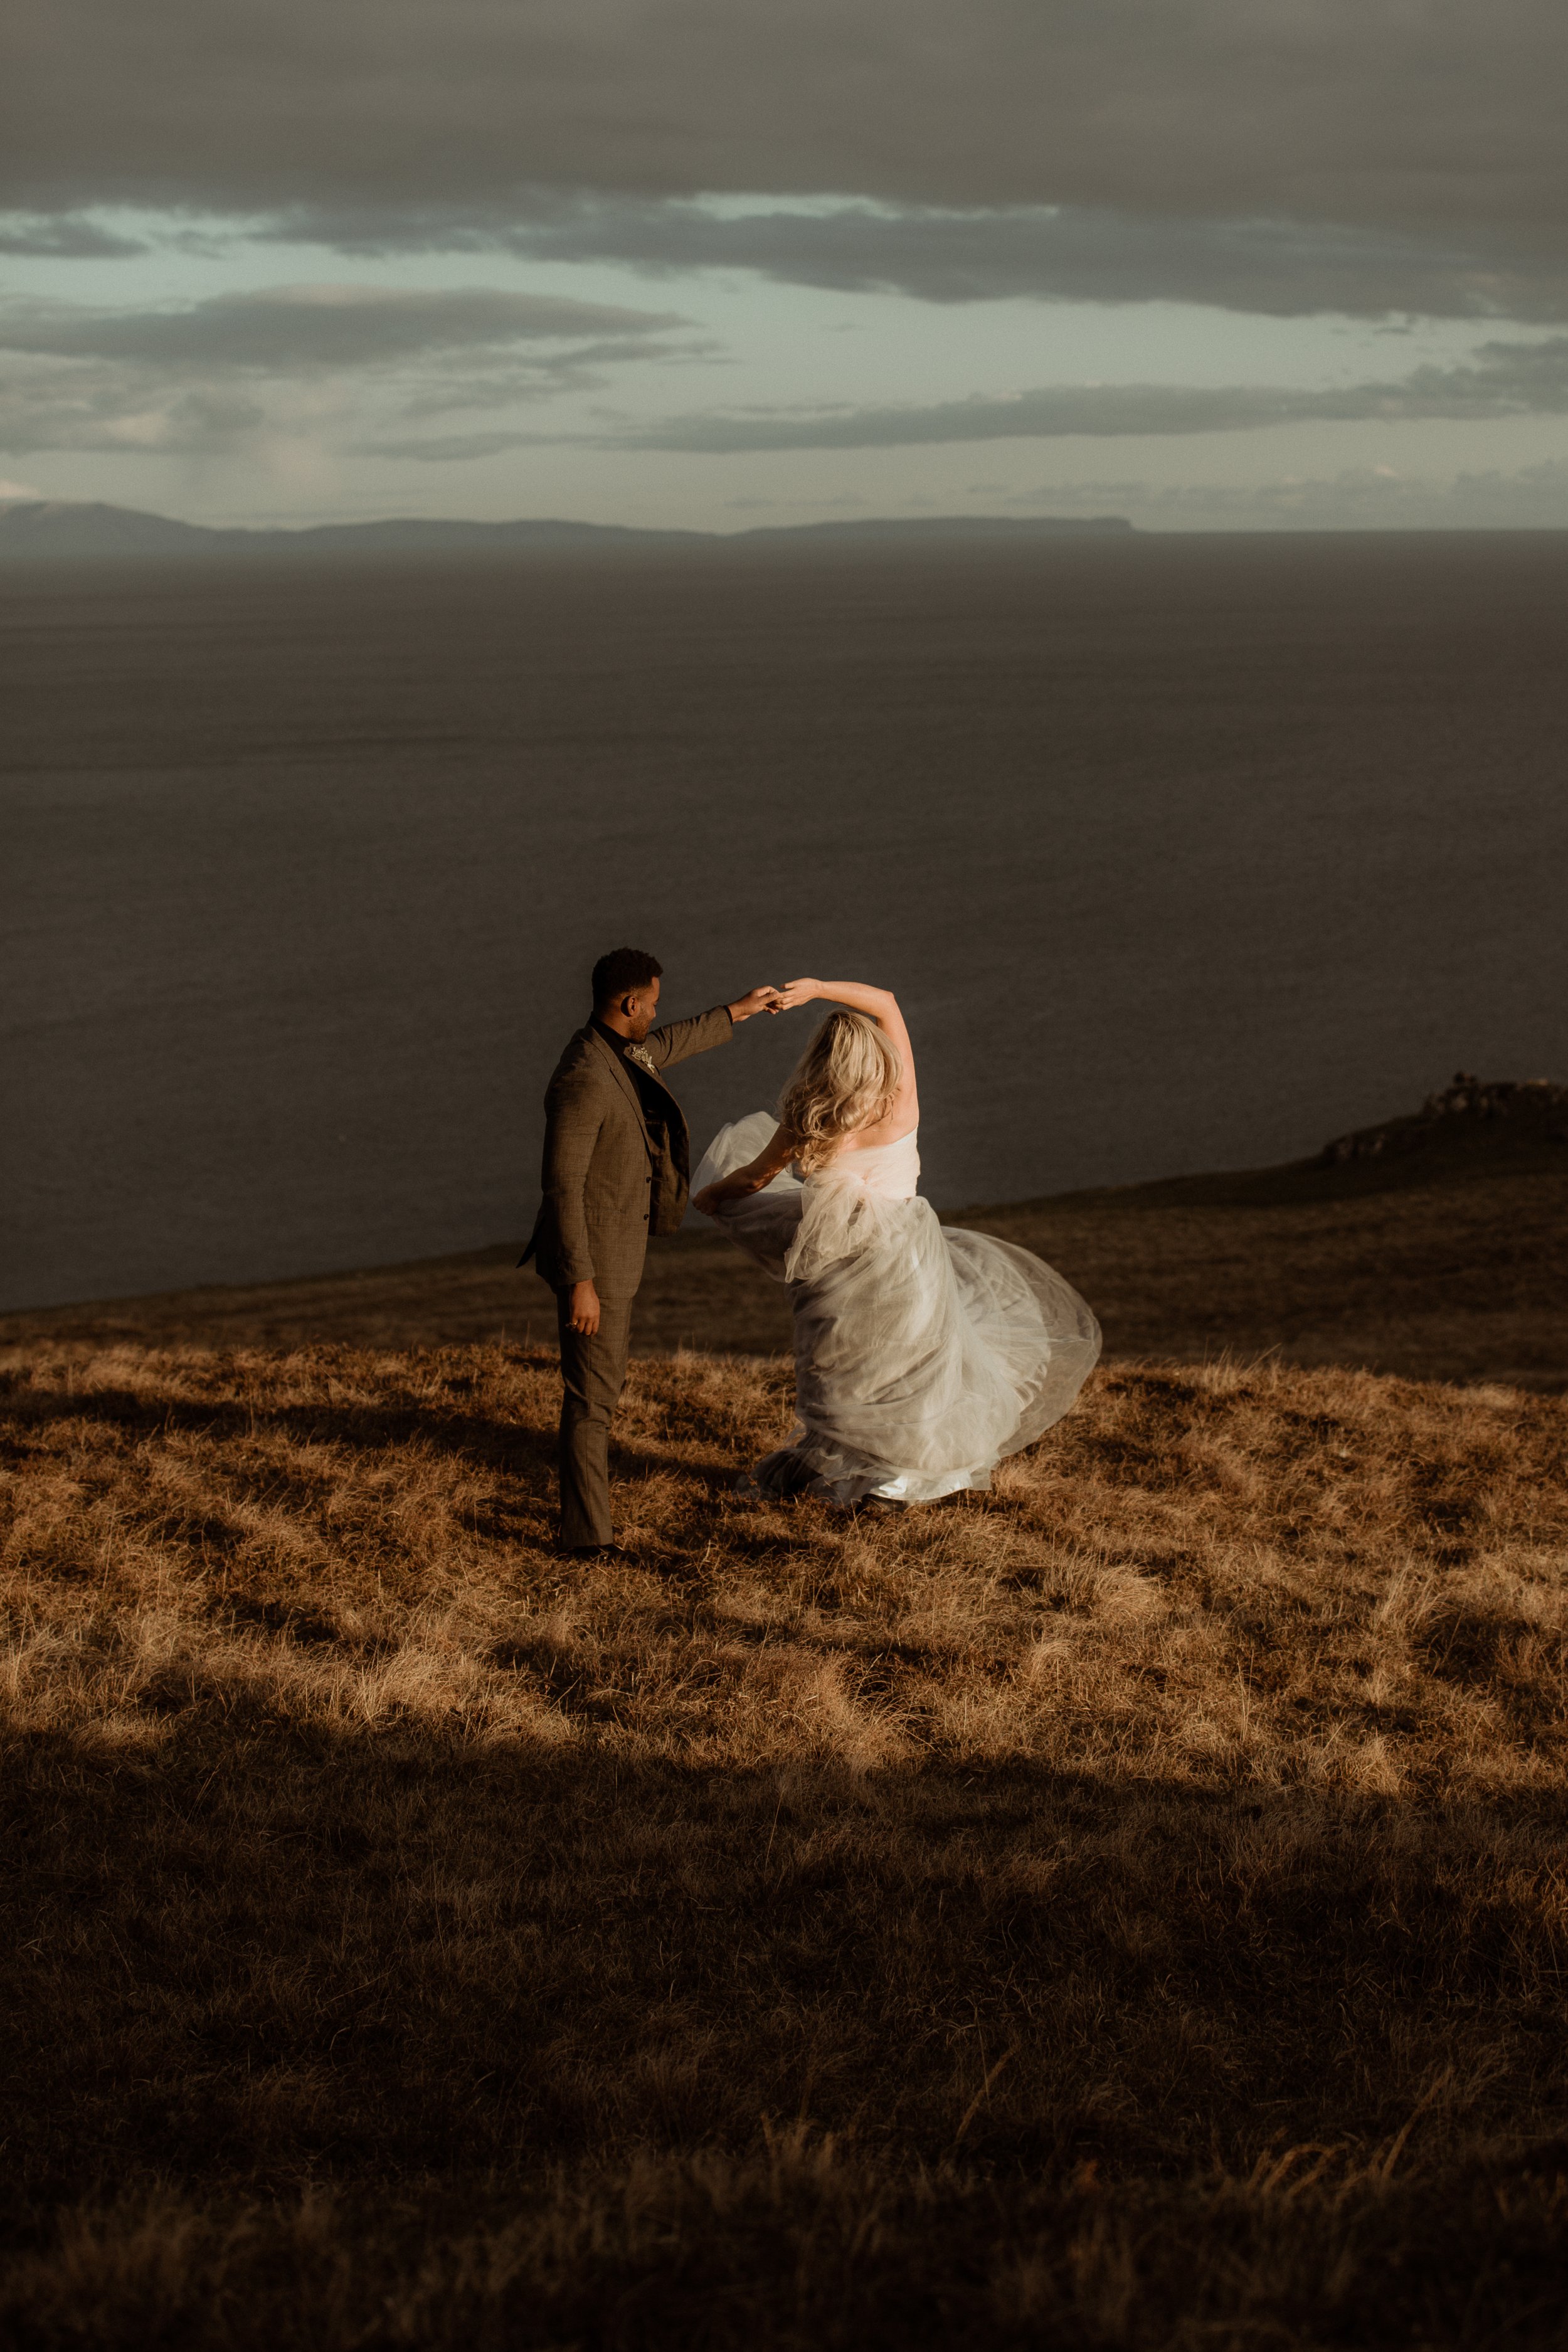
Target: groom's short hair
622,972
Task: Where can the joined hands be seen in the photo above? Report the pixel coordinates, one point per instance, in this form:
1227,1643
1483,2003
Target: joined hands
775,1000
797,992
756,1000
759,1000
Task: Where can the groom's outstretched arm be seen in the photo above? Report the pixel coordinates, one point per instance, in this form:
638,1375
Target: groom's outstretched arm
676,1041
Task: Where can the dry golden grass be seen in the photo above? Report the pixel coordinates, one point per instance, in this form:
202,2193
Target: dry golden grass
1432,1274
1128,1909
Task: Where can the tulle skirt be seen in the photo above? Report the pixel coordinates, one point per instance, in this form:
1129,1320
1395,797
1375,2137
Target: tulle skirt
923,1354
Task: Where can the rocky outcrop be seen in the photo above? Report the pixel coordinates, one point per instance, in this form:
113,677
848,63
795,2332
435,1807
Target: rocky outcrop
1532,1106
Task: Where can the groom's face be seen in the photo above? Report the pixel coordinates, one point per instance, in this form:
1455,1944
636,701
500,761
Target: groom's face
641,1010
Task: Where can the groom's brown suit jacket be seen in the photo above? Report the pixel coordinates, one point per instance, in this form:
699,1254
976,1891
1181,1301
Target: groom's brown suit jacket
609,1182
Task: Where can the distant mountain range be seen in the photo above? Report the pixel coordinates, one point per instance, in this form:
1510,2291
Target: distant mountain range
55,531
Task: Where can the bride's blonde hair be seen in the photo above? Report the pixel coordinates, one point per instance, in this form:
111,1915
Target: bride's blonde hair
845,1080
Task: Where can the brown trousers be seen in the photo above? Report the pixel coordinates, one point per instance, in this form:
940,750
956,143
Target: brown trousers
593,1371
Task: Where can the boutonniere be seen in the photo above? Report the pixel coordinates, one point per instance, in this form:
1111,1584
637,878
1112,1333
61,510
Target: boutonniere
643,1058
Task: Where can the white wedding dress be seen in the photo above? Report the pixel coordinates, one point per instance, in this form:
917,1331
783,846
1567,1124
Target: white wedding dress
923,1354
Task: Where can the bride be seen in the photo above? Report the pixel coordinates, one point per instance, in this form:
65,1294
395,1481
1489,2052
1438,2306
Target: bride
923,1354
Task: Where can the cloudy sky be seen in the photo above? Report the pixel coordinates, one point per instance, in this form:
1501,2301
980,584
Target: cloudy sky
726,262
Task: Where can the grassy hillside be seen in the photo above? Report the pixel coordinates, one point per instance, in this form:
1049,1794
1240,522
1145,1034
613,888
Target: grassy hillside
1128,1909
1436,1246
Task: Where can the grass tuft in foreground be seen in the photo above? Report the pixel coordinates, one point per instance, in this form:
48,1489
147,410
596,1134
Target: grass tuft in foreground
1127,1909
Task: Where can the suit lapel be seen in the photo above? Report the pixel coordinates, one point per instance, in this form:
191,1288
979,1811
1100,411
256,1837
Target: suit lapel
649,1070
626,1083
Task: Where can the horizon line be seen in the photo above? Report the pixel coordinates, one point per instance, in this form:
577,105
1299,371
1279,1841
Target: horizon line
19,503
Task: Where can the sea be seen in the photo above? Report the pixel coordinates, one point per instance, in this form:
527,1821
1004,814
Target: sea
1182,853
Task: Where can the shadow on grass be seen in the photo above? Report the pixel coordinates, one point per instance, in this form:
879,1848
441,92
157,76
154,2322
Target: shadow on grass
482,1440
559,2029
266,1951
477,1437
801,2241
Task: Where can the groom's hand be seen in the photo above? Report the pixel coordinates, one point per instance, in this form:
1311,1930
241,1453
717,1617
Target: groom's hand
584,1316
756,1000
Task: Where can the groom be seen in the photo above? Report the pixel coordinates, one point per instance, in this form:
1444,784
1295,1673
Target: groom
617,1169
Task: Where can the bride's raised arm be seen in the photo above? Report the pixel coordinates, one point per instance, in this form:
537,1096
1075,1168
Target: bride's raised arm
775,1157
882,1006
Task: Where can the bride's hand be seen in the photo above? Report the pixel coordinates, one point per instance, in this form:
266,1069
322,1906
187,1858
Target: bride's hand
708,1199
799,991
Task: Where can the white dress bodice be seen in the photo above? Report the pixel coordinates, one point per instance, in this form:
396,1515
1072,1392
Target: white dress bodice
891,1169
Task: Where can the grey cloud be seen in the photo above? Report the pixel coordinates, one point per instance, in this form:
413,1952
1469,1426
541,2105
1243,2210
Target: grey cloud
459,382
171,379
455,448
288,329
938,254
119,412
1414,115
63,236
1505,379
